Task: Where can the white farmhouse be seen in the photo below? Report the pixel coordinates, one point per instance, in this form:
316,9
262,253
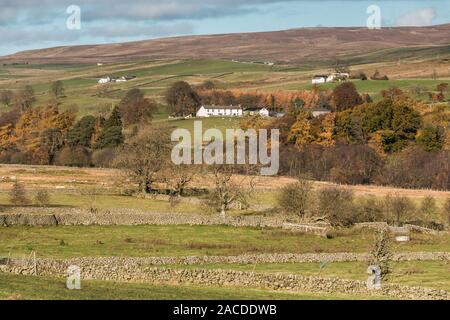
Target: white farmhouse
105,80
338,77
318,79
219,111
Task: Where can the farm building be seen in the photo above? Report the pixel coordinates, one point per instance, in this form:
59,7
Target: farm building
105,80
109,79
320,112
217,111
263,112
317,79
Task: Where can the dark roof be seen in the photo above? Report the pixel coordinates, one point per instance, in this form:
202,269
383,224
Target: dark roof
320,110
222,107
254,109
320,76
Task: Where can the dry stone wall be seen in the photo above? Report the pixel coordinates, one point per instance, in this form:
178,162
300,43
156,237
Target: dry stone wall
70,217
240,259
229,278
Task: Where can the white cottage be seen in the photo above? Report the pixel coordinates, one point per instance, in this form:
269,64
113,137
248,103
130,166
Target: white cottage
318,79
105,80
219,111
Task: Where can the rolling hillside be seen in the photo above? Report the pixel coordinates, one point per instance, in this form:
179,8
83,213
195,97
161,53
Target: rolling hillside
297,45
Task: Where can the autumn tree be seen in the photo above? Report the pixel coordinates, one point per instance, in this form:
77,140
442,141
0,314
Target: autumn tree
393,122
345,96
135,108
51,141
144,156
301,132
431,138
182,99
40,131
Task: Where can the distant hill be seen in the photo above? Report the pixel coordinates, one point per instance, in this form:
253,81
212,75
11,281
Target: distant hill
298,45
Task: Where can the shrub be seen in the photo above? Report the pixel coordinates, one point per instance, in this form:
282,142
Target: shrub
18,195
104,158
42,198
398,207
74,157
446,210
428,208
336,206
369,210
295,197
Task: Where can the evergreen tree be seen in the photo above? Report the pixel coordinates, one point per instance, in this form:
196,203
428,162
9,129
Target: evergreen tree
82,131
114,120
111,135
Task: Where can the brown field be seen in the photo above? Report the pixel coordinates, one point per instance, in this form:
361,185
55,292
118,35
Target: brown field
53,177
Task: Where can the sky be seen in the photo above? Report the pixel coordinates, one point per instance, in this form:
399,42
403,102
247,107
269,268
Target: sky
35,24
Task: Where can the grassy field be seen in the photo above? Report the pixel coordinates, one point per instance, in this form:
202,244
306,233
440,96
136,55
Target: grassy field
14,287
75,241
154,77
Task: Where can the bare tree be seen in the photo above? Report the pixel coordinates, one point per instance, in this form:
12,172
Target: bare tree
295,198
6,97
229,189
144,156
398,207
178,177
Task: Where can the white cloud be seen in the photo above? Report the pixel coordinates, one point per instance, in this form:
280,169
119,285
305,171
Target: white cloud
417,18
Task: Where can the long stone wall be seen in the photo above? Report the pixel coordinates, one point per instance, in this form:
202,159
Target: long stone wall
240,259
229,278
70,217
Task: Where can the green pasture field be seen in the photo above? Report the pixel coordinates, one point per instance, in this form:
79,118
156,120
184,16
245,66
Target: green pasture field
19,287
174,240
